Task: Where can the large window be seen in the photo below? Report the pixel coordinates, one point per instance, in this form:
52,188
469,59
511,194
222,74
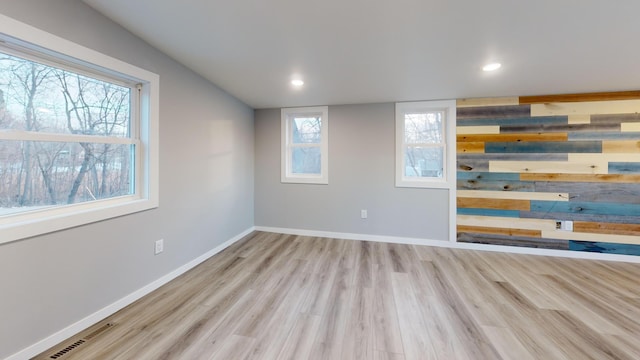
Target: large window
305,145
77,133
424,140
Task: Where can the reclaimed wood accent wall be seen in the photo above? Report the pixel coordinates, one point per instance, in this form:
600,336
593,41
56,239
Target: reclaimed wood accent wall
525,163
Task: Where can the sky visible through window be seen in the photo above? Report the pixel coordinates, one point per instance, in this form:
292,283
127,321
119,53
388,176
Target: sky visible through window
42,108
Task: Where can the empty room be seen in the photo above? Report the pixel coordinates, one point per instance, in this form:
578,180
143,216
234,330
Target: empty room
422,179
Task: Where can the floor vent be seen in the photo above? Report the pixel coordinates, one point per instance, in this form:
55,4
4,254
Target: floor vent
69,346
64,351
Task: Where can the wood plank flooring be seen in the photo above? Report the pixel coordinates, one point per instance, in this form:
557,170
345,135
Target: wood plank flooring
273,296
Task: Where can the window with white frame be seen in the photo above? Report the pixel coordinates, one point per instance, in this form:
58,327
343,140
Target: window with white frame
425,153
78,134
305,145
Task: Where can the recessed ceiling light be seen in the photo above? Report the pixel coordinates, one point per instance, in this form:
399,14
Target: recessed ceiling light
297,82
492,67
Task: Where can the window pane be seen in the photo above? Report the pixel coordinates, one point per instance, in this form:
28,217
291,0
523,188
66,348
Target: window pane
424,162
37,174
306,130
424,128
306,160
37,97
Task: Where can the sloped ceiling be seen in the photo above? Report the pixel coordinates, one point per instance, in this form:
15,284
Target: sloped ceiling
358,51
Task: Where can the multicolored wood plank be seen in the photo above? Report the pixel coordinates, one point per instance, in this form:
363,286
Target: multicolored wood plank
524,163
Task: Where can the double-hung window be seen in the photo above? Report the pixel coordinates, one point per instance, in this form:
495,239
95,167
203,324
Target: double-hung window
78,134
424,144
305,145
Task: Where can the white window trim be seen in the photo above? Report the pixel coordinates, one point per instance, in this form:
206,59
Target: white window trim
46,220
286,175
448,177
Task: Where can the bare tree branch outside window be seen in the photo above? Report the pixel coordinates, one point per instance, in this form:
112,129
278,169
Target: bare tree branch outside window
38,98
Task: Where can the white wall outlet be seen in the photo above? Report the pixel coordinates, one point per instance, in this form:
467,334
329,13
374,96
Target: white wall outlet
159,246
567,225
363,214
564,225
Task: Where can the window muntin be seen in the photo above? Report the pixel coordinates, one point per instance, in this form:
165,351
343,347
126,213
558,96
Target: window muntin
79,111
86,122
304,145
423,131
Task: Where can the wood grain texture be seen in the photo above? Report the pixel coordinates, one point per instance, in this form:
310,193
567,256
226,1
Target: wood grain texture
569,235
543,147
502,204
617,219
515,241
604,192
530,137
624,167
490,129
597,96
530,123
606,228
582,166
497,101
571,178
586,107
470,147
495,185
625,146
537,127
509,223
493,112
603,135
498,231
434,303
579,119
616,118
514,195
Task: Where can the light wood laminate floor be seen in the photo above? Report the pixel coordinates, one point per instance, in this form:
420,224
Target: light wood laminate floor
273,296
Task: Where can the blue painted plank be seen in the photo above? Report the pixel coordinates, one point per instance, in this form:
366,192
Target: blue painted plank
604,247
505,186
547,128
624,168
538,120
604,135
489,212
619,219
542,147
615,118
513,157
488,176
585,208
493,112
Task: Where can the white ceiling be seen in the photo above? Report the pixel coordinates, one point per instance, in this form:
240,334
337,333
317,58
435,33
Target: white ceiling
362,51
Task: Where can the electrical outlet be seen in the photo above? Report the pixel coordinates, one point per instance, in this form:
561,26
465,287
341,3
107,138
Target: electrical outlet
363,214
564,225
159,246
567,225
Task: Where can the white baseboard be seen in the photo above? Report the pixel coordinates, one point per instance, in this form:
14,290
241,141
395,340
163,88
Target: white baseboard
455,245
111,309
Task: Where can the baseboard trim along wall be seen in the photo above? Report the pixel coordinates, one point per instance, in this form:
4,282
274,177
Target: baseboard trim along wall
99,315
109,310
454,245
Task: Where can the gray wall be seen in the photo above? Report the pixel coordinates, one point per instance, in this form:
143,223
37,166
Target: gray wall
361,176
206,192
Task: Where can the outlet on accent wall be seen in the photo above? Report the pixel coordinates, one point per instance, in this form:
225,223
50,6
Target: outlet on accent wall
363,214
